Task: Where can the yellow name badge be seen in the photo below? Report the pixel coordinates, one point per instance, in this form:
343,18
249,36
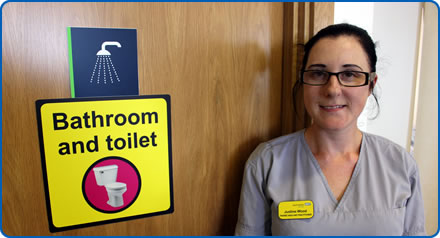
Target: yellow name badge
295,209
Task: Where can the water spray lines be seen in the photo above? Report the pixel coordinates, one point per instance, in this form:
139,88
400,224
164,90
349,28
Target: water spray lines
104,63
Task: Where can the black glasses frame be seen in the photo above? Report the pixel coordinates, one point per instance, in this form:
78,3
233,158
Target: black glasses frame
367,77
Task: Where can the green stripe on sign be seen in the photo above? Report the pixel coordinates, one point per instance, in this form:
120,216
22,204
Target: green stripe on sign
69,43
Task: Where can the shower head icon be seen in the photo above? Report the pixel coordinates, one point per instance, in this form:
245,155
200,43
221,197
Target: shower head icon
103,51
104,65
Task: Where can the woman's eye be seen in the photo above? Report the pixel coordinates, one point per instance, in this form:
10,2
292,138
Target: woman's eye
348,74
351,75
318,74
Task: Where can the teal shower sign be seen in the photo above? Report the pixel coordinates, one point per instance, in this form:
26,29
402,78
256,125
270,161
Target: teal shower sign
103,61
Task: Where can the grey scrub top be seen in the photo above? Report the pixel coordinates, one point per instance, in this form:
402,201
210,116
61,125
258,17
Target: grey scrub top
383,196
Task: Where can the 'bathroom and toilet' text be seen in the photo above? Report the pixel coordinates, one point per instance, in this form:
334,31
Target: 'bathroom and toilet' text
93,120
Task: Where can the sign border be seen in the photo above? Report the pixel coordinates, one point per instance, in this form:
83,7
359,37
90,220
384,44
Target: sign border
39,103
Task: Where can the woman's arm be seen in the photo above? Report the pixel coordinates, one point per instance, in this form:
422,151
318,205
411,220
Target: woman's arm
414,224
254,214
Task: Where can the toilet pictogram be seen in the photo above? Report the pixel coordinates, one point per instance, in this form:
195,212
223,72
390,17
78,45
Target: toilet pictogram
106,176
111,184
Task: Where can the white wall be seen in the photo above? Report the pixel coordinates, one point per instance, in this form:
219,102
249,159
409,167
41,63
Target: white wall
356,13
394,26
397,35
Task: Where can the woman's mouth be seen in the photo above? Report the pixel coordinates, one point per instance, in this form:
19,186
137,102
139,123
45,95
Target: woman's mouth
332,108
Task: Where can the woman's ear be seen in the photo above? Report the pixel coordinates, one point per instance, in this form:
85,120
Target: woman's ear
373,82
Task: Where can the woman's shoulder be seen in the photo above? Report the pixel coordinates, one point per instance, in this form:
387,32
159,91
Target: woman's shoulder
388,150
383,143
285,140
267,151
282,142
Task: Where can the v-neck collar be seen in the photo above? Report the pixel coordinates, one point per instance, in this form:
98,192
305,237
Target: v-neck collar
338,204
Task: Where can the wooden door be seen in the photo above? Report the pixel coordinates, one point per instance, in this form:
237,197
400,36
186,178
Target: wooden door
220,62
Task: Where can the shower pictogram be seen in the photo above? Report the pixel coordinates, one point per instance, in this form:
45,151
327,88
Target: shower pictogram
103,61
104,68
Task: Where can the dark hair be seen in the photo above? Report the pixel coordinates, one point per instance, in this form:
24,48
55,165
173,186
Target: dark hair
344,29
334,31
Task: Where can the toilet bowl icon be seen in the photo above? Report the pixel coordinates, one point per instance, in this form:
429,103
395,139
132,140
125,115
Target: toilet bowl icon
106,176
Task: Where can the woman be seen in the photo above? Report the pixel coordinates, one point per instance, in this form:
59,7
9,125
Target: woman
331,178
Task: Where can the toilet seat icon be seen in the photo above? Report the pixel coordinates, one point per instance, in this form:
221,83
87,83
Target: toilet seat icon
106,176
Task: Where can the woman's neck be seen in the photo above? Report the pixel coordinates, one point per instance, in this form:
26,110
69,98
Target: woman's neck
333,143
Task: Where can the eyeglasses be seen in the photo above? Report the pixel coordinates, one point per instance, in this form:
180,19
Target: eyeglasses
345,78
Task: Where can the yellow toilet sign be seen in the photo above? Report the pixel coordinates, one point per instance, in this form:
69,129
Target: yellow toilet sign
105,159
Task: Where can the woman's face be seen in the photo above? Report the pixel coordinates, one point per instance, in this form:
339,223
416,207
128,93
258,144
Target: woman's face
333,106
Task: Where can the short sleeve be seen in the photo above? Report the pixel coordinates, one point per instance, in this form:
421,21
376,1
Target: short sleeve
254,214
414,224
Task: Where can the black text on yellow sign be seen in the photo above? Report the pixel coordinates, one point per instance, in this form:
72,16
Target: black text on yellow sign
105,159
295,209
93,120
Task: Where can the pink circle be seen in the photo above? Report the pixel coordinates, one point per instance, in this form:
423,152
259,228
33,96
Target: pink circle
97,196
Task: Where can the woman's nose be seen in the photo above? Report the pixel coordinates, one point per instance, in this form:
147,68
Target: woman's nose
333,87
